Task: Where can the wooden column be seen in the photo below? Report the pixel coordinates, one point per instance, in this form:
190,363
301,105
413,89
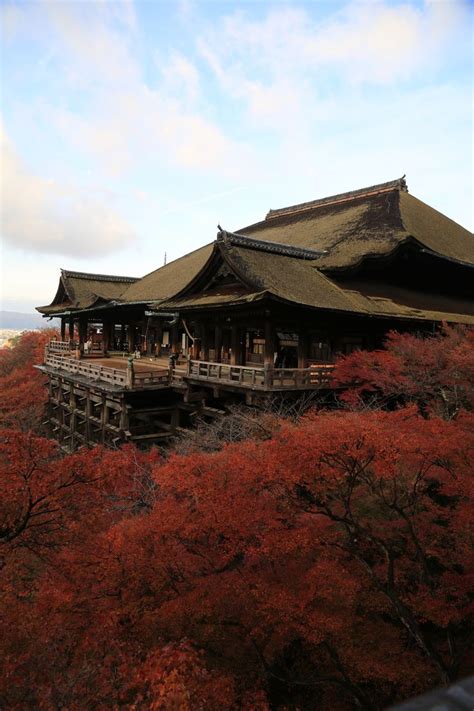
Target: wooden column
105,336
124,424
112,336
174,335
104,418
159,339
82,332
63,328
302,349
218,343
150,336
88,412
122,336
204,343
131,337
139,340
71,330
234,345
269,342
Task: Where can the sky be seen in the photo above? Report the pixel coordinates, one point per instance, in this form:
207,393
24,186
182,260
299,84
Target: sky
129,130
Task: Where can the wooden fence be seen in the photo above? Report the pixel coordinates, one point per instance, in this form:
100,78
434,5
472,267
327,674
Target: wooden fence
61,346
315,376
121,377
254,377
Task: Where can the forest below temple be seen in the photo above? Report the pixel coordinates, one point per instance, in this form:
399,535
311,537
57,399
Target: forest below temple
295,558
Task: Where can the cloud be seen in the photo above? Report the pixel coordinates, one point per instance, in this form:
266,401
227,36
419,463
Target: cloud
133,128
180,76
46,216
367,42
110,106
97,41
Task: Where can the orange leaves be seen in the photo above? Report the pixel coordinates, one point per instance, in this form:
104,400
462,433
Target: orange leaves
23,393
175,678
436,373
327,567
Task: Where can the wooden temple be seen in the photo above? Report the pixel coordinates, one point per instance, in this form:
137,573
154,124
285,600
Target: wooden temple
262,310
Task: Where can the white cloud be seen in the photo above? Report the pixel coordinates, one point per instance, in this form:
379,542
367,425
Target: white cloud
46,216
129,129
181,77
97,41
118,118
369,42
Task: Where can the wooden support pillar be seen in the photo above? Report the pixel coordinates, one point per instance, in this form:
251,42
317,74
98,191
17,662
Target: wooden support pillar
122,336
105,336
104,417
112,336
150,340
204,343
302,349
174,419
268,376
174,335
234,345
218,343
82,333
71,330
158,339
63,328
130,374
195,349
139,340
269,354
88,413
124,424
72,414
131,337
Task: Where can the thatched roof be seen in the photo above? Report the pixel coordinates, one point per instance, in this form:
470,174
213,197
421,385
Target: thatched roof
296,280
295,255
170,279
81,290
373,221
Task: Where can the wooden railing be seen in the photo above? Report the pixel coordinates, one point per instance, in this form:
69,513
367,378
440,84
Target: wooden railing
125,378
60,346
144,379
114,376
315,376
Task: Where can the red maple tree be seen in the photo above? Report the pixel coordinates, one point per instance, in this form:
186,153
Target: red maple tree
22,386
435,372
341,582
329,566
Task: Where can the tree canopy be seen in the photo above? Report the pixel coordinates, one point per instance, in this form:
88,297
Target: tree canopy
327,565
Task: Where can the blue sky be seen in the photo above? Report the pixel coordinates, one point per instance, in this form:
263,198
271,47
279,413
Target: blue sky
131,129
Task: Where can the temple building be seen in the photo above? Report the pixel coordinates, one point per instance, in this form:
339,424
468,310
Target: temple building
261,310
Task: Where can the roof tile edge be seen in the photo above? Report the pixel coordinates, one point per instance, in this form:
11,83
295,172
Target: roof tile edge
287,250
98,277
399,184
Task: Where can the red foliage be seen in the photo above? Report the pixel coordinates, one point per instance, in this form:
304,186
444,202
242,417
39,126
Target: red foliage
436,373
22,386
325,568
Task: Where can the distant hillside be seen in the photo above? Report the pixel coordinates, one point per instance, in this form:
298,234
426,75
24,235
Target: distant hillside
19,321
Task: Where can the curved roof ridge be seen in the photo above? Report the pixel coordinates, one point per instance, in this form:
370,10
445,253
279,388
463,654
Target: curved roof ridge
399,184
97,277
233,238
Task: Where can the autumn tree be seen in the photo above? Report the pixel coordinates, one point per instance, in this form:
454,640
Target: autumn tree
317,562
436,372
341,581
23,386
